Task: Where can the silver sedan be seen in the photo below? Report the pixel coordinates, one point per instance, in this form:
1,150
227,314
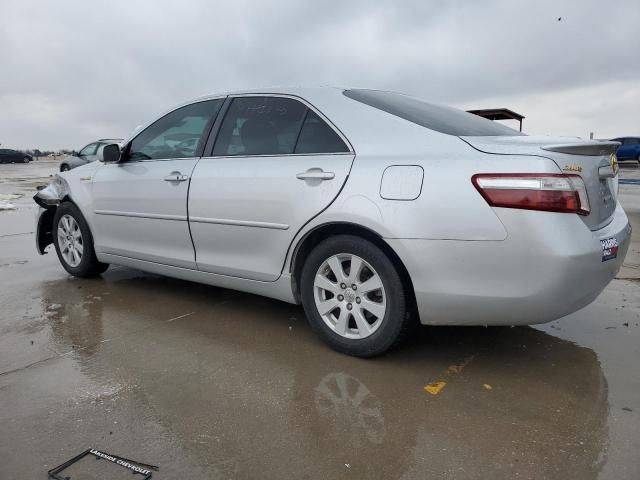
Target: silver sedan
373,209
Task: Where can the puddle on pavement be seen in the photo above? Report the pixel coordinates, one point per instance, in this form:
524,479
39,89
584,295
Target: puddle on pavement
245,388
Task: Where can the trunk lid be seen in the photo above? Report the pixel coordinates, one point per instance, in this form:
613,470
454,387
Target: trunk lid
590,159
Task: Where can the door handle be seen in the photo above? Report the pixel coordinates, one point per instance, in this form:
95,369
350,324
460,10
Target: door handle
176,177
315,174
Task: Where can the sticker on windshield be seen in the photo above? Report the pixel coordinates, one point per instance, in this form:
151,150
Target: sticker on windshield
609,248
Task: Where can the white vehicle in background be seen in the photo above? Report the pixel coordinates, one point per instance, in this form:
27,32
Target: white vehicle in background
370,208
87,154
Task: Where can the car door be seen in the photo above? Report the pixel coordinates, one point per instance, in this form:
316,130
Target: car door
140,203
13,156
3,155
275,164
623,149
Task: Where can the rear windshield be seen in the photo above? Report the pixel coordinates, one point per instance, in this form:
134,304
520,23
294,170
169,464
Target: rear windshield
434,117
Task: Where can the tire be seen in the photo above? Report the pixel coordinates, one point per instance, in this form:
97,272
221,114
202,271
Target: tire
64,167
25,160
84,264
342,327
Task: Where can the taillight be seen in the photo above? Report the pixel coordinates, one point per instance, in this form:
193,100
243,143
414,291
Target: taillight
534,191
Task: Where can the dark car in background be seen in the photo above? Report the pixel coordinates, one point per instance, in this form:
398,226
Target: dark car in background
629,148
86,154
9,155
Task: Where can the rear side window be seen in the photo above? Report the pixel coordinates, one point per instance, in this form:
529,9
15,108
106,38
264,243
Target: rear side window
318,137
442,119
178,134
260,126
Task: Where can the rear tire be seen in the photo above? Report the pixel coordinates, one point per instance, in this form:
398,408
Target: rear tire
74,242
365,321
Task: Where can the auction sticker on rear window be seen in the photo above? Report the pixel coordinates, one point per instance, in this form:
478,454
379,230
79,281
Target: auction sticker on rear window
609,248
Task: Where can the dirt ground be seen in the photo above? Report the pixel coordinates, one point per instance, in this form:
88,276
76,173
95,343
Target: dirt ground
211,383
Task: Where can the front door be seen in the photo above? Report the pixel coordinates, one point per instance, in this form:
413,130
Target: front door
275,164
140,203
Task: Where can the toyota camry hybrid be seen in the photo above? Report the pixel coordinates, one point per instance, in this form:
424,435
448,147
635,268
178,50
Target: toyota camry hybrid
373,209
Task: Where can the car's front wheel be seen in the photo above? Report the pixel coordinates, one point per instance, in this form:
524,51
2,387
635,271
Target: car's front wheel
25,160
354,297
64,167
74,242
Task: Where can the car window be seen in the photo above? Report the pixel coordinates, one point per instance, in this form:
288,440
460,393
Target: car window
632,141
318,137
260,126
88,150
178,134
434,117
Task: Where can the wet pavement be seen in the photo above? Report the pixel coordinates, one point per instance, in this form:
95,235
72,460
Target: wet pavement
211,383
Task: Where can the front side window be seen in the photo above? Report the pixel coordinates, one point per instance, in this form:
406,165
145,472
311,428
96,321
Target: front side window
88,150
178,134
260,126
632,141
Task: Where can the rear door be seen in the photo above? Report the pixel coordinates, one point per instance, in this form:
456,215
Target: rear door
275,164
140,204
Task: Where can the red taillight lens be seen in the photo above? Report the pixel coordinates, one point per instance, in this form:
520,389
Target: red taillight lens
533,191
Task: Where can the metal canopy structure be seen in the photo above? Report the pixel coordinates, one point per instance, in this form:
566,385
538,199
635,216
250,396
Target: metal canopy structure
499,114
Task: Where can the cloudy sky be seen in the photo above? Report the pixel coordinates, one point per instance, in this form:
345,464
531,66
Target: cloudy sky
75,70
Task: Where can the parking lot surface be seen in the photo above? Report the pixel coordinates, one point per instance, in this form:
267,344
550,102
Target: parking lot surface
212,383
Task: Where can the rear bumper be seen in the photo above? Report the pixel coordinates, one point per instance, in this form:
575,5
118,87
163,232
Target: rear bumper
549,266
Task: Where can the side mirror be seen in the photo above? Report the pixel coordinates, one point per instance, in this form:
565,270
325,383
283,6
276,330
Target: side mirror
74,153
109,153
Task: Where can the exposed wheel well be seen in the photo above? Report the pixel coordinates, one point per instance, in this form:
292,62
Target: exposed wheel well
313,238
44,231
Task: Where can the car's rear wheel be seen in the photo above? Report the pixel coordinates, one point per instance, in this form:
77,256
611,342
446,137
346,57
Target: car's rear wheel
354,297
74,242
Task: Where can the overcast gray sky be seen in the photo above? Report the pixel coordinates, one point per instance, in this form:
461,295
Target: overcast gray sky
75,70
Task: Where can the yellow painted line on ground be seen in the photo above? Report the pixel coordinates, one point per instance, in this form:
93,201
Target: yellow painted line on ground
434,388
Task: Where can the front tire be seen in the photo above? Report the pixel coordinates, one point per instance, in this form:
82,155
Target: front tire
64,167
74,242
354,297
25,160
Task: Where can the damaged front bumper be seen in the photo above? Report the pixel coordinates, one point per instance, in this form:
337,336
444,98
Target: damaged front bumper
52,194
48,198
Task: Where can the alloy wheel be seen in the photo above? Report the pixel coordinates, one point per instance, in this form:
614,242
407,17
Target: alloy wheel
349,296
70,240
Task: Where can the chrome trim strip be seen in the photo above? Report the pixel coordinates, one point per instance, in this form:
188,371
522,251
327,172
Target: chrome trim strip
155,216
240,223
276,155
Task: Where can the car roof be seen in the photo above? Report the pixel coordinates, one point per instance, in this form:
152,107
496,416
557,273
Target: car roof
278,90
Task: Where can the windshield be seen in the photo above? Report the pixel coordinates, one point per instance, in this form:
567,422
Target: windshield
434,117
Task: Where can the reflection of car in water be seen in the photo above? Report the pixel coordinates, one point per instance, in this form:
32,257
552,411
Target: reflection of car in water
75,317
366,207
240,396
